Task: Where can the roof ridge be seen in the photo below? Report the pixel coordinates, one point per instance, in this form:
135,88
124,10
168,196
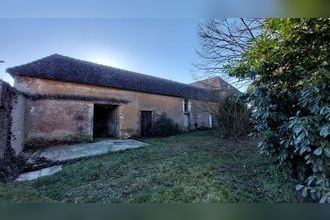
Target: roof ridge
69,69
112,67
220,81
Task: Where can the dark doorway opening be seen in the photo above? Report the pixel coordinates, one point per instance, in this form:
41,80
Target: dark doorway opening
105,121
146,122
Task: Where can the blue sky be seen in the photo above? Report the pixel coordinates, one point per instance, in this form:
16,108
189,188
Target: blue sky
140,8
154,37
160,47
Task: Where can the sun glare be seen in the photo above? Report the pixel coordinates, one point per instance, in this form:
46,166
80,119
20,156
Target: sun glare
104,60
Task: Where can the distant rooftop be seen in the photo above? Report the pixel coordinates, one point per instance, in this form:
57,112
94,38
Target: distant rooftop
67,69
215,83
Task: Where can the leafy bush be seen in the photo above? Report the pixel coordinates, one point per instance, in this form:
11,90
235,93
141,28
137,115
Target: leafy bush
233,117
289,65
164,127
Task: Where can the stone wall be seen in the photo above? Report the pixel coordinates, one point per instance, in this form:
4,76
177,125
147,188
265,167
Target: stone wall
10,164
7,95
56,118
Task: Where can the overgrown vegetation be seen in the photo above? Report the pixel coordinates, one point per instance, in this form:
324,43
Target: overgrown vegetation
193,167
233,117
288,62
164,127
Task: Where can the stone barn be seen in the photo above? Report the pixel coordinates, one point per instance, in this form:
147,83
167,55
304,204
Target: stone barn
67,99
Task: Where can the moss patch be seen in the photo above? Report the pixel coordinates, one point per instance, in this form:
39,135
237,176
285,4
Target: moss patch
35,143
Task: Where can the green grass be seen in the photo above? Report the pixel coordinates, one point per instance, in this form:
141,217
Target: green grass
193,167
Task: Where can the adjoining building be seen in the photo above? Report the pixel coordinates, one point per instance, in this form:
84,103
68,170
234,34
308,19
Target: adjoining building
69,99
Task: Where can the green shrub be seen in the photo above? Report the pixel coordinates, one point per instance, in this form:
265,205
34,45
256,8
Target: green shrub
164,127
289,65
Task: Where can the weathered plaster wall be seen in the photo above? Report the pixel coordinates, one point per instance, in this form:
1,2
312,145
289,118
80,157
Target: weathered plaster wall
58,120
200,113
112,122
18,124
54,118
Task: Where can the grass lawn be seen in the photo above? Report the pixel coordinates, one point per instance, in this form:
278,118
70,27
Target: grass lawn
193,167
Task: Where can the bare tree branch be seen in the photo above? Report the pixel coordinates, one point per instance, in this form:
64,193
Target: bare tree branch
247,27
223,41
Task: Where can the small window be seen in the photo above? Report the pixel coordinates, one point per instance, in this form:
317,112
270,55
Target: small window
210,120
186,105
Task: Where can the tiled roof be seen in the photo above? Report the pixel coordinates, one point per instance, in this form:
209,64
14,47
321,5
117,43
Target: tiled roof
67,69
215,83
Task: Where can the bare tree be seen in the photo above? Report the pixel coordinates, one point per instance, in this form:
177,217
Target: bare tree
223,41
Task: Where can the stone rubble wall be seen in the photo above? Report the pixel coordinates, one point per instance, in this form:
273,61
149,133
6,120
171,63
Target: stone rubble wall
10,164
7,95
